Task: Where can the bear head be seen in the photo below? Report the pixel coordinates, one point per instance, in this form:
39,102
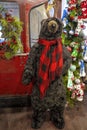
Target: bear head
51,28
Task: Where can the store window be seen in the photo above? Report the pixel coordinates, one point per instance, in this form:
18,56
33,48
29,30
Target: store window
37,14
13,9
10,29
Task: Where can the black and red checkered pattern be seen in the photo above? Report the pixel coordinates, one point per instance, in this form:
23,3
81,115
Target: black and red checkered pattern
50,64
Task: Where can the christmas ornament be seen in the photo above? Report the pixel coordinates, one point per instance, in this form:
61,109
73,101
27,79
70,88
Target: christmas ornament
71,77
85,78
82,68
85,53
77,32
82,45
65,14
71,32
84,30
83,4
70,80
65,22
79,27
78,91
70,2
75,51
72,44
73,67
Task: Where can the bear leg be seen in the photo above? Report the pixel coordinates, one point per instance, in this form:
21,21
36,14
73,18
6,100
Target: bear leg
57,117
38,119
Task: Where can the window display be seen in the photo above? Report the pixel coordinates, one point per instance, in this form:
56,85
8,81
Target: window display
10,29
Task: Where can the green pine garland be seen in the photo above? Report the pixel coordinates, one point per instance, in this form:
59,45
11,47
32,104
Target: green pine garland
11,31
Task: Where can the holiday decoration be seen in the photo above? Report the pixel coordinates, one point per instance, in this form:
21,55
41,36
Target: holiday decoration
82,68
85,53
75,51
10,31
74,37
65,13
78,90
71,32
48,61
85,42
71,77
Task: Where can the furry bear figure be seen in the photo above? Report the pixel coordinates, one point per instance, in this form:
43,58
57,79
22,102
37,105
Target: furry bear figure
48,61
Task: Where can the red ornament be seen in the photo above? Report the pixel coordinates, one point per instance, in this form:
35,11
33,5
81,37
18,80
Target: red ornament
72,2
10,19
76,35
83,4
80,17
83,26
84,12
71,17
83,15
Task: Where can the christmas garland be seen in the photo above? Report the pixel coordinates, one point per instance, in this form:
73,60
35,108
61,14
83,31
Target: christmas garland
76,42
10,29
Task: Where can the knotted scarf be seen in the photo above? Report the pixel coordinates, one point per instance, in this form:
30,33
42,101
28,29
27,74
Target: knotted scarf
50,64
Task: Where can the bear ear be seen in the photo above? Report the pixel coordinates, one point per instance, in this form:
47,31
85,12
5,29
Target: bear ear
43,21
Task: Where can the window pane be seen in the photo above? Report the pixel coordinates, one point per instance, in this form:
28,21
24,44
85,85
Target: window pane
36,16
11,7
10,29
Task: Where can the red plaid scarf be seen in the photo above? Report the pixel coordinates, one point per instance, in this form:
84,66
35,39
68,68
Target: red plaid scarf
51,63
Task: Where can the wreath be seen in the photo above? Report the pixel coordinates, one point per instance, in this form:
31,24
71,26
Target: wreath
10,29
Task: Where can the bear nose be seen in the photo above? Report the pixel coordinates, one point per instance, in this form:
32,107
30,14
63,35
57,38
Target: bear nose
52,26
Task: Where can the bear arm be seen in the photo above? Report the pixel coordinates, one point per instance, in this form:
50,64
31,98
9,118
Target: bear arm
29,70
